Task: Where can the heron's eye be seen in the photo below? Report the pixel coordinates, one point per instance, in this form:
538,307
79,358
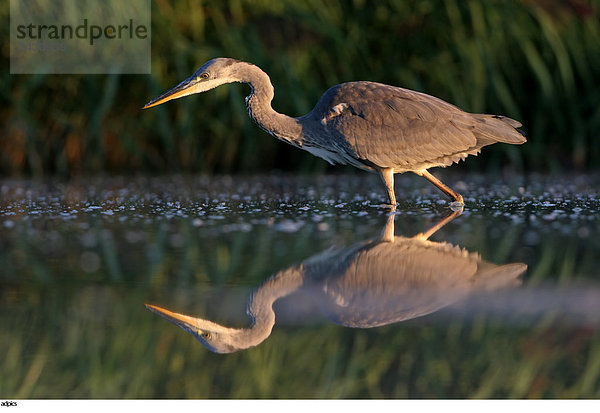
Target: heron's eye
205,335
203,76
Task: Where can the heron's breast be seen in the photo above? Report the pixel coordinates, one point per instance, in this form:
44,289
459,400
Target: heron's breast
338,156
329,156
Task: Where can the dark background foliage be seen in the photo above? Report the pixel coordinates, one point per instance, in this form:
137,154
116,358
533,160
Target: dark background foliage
537,61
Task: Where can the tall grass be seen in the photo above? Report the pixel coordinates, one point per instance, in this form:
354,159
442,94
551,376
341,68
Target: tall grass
538,62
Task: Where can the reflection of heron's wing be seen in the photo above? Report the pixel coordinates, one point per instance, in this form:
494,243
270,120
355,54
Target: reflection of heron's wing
334,261
383,283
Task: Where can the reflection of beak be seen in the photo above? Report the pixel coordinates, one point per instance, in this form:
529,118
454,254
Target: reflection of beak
182,89
183,321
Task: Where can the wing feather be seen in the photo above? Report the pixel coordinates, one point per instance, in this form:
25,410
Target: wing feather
395,127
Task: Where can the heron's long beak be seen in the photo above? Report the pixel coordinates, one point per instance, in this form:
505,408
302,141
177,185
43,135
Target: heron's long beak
183,89
185,322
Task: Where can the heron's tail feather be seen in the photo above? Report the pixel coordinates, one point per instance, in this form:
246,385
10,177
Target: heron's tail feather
495,128
492,277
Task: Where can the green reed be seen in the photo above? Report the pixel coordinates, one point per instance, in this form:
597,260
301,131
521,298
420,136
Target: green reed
535,61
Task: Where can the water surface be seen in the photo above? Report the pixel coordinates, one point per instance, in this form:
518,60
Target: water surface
79,259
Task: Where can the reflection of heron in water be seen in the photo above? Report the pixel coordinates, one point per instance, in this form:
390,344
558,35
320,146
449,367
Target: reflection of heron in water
368,284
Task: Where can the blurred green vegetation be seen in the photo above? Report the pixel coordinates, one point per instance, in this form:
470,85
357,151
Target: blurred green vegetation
537,61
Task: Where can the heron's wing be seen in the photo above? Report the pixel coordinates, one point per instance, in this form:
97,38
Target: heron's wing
394,127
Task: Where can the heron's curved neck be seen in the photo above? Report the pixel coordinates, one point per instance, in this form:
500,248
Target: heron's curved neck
259,107
260,305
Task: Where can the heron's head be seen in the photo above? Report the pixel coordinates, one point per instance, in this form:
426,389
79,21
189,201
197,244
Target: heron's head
213,336
213,73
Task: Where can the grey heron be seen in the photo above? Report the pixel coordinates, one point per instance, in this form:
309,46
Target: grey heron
368,284
372,126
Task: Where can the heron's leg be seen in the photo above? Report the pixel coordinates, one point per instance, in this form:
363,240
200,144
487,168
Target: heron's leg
454,195
387,235
387,175
425,235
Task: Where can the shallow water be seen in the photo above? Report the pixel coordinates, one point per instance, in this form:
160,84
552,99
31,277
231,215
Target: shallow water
502,301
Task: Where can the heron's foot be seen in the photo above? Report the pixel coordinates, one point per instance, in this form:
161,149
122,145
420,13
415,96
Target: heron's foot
457,206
